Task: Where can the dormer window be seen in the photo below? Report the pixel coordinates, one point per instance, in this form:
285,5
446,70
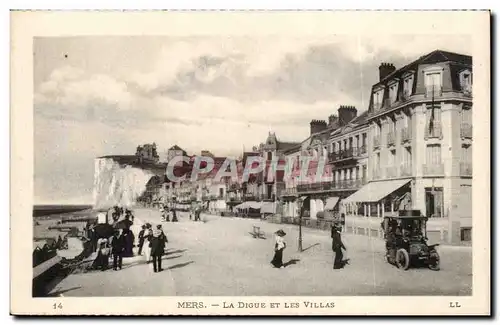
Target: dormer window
393,92
466,81
407,87
377,99
433,82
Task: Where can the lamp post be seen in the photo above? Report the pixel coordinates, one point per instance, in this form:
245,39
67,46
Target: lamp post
299,203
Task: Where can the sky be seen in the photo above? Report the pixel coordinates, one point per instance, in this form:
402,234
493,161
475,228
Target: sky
98,96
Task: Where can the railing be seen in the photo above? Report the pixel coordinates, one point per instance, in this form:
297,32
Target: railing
387,103
405,170
406,135
377,106
328,186
343,154
376,142
435,91
465,169
391,172
362,150
289,191
391,139
466,131
433,132
434,169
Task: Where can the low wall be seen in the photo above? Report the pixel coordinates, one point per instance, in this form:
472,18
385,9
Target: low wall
437,229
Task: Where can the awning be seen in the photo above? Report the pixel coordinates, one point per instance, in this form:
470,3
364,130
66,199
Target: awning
268,207
376,191
250,204
331,202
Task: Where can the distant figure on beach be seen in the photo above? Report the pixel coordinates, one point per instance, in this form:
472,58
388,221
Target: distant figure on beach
158,241
117,249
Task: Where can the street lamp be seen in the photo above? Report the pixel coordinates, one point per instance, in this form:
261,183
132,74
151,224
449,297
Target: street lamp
299,203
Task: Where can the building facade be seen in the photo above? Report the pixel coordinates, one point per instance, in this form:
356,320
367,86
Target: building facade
420,147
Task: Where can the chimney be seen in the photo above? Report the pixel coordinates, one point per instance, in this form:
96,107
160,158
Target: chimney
332,119
347,114
385,69
317,126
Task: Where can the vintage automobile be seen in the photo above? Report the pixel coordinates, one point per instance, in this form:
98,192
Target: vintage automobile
406,241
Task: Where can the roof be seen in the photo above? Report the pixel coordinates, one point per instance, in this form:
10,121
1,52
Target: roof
176,147
286,145
432,57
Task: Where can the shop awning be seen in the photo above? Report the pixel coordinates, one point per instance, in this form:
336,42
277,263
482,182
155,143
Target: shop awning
268,207
331,202
376,191
250,204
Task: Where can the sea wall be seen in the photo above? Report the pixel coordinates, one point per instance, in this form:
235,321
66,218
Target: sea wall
118,184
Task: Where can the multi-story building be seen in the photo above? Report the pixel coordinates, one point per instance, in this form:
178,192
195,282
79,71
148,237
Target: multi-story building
420,144
175,151
341,143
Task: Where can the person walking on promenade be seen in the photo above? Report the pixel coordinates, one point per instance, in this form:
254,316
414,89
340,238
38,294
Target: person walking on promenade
174,216
158,241
279,246
102,260
148,235
141,239
337,246
117,248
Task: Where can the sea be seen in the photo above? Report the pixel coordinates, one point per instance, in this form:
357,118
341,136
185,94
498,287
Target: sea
44,210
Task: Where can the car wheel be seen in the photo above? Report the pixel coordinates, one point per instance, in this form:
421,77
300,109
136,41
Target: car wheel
402,259
434,261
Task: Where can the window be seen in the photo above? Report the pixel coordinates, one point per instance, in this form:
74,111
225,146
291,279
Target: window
393,92
269,156
221,192
433,124
466,116
392,158
406,156
466,153
377,99
407,87
433,156
433,84
466,80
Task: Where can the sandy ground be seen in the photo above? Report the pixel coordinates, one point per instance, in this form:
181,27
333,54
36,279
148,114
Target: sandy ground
219,257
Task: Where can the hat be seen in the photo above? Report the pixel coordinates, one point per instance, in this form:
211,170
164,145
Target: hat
280,233
158,226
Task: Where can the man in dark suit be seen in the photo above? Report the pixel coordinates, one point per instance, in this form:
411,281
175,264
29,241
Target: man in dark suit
158,240
117,248
337,247
141,239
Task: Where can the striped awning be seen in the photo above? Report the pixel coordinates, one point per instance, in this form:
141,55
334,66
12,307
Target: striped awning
376,191
331,202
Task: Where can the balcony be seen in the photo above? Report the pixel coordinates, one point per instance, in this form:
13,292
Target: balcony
377,106
289,191
433,169
405,170
391,172
465,169
466,131
376,142
391,139
467,91
433,132
342,155
387,103
347,184
406,135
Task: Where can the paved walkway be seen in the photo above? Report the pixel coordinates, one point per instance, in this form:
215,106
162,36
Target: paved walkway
219,257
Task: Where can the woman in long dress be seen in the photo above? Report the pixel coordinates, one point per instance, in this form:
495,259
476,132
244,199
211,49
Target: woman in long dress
279,246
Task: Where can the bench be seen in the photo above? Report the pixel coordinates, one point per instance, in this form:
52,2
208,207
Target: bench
257,233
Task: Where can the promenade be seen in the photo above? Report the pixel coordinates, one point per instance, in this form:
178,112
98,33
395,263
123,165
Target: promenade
219,257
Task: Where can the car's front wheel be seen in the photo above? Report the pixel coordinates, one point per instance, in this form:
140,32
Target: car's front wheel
402,259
